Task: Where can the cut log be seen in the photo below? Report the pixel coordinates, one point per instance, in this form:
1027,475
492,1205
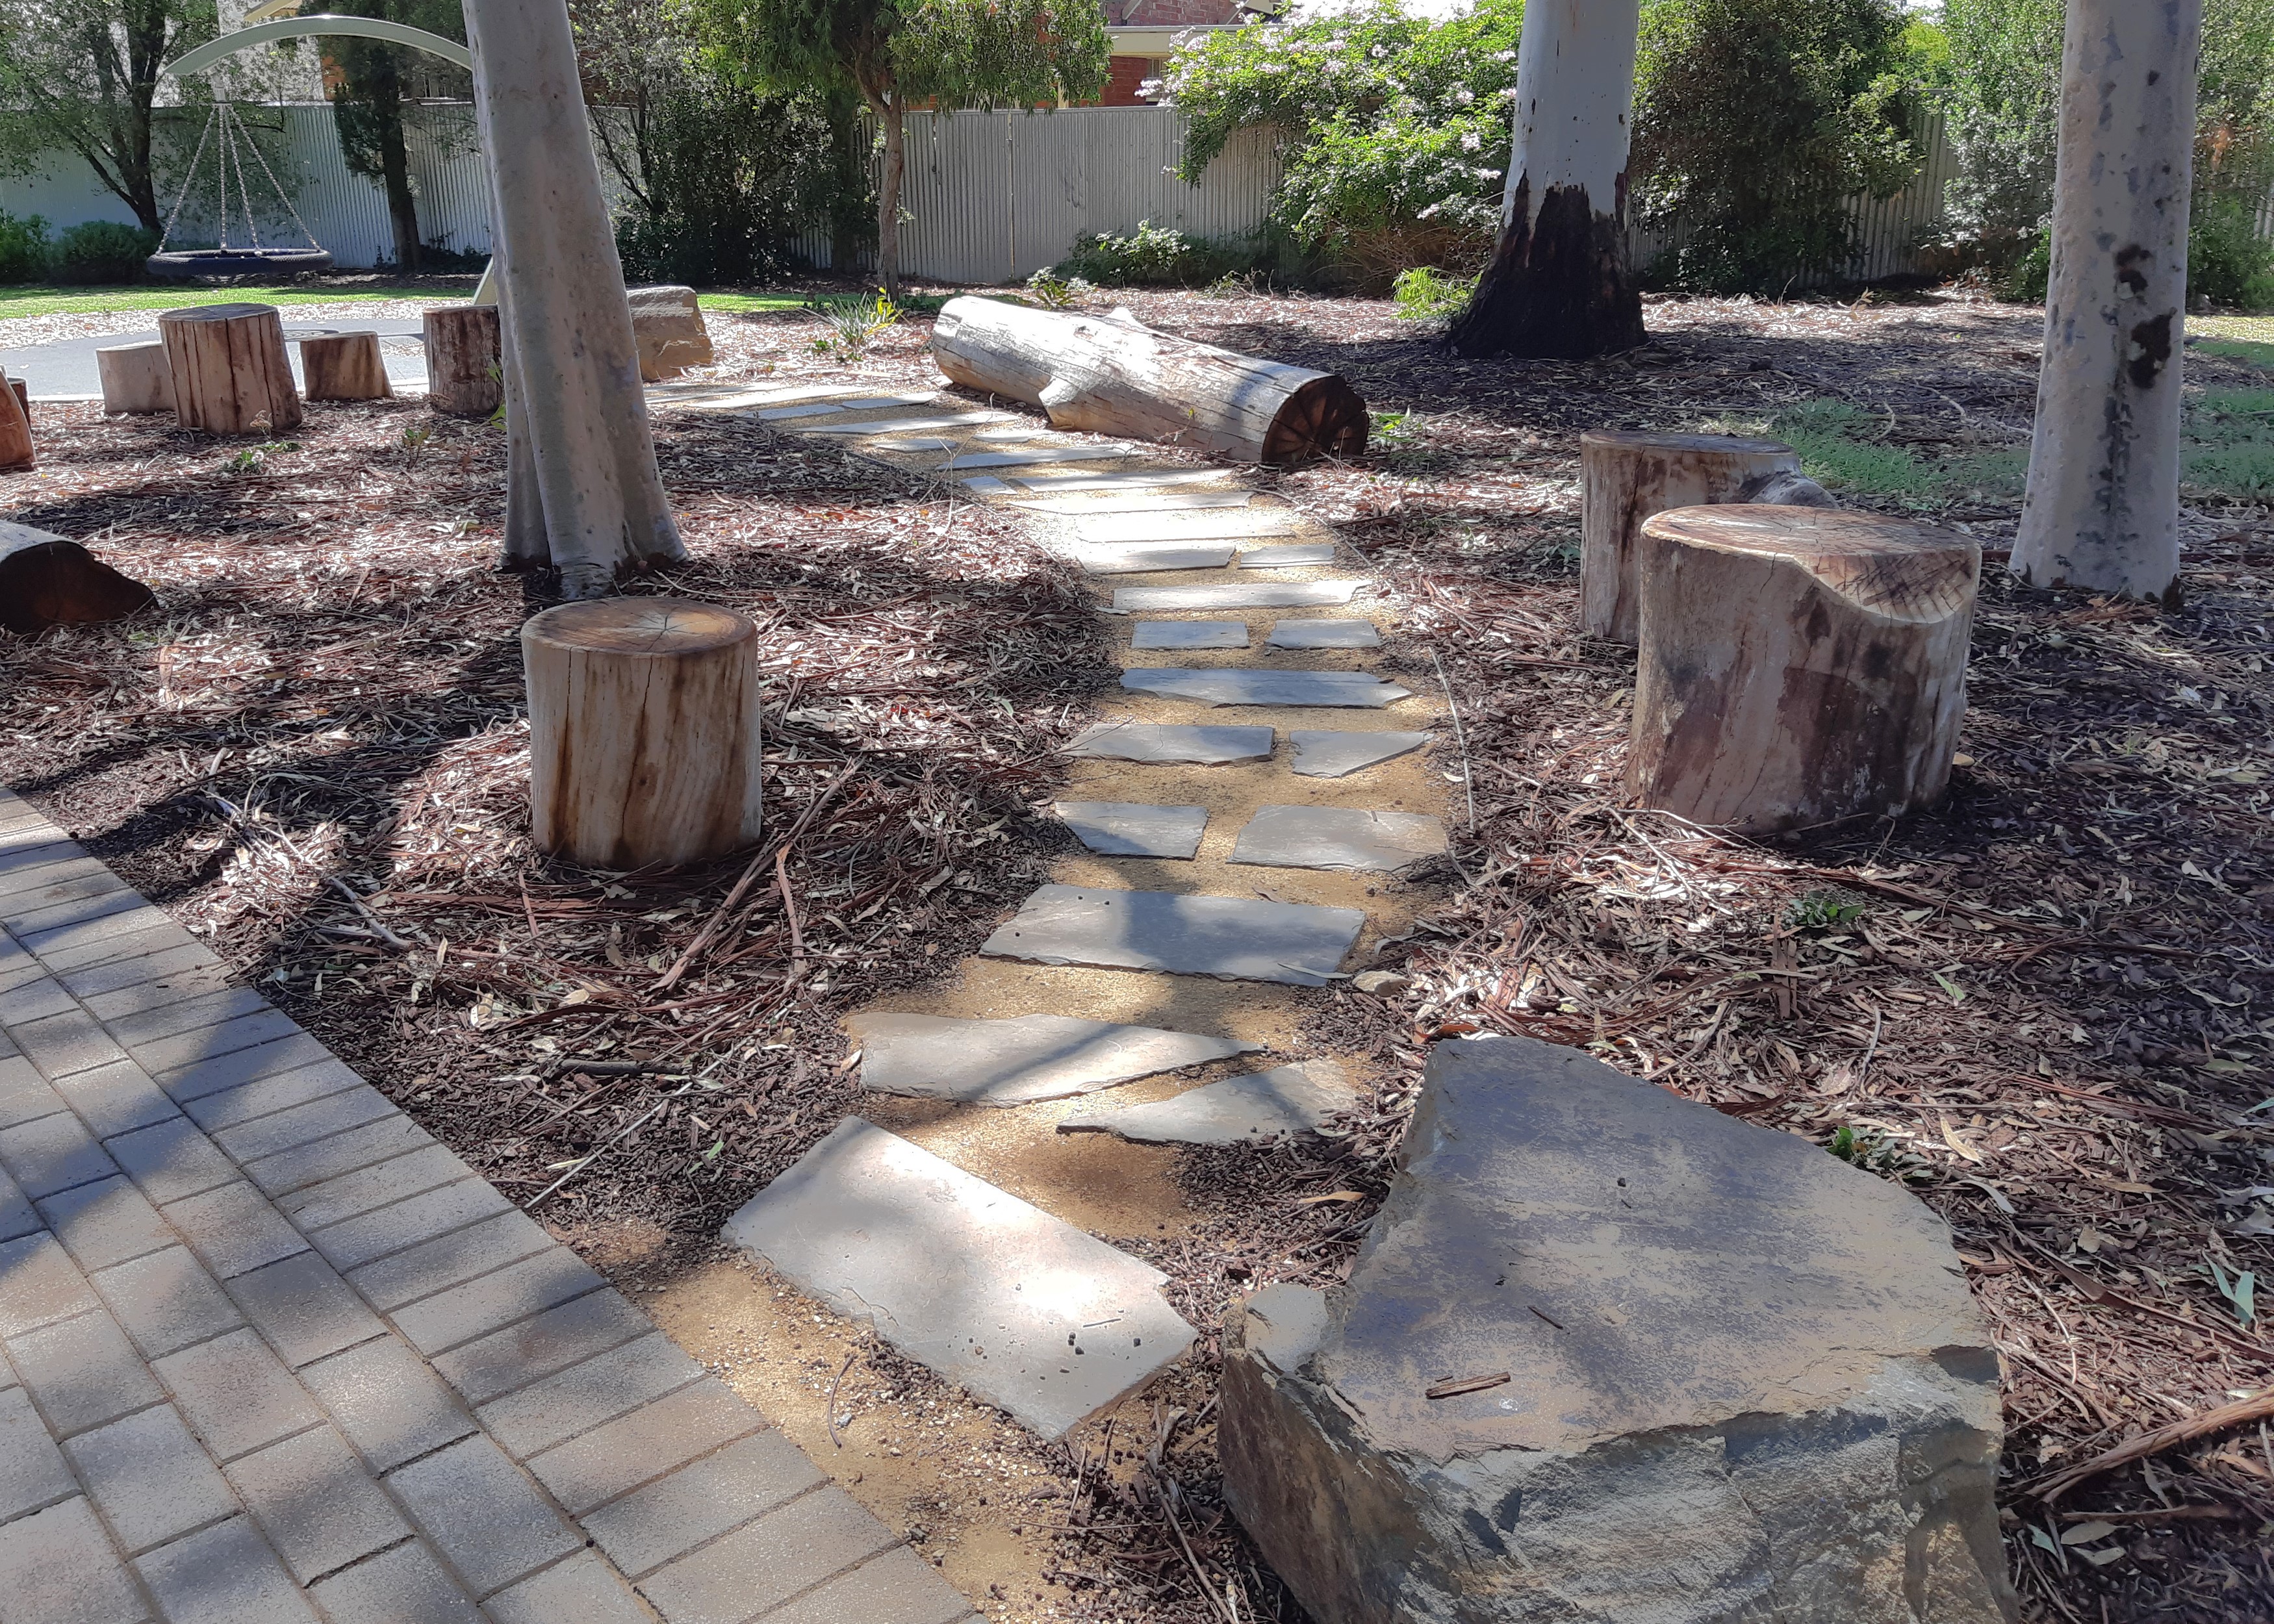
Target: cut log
135,377
1798,665
1113,375
23,394
344,367
465,368
668,326
1625,477
230,372
52,581
644,731
15,427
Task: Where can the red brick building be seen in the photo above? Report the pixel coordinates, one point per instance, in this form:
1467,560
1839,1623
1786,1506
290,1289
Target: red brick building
1142,32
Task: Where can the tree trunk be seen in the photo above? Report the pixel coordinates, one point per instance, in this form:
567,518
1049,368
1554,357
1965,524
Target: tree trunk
2103,509
888,193
1627,477
1115,376
1798,665
49,580
395,172
344,367
581,490
644,741
850,162
135,377
465,365
229,370
1559,284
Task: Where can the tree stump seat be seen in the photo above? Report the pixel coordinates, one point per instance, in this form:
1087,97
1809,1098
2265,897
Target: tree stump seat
1798,665
1625,477
229,372
136,378
15,448
465,375
344,367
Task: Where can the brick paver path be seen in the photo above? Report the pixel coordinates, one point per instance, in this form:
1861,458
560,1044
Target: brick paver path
272,1353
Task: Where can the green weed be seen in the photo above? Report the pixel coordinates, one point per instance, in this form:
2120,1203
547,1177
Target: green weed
1822,910
1425,293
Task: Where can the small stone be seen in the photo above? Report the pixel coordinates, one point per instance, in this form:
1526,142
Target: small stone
1152,742
1322,753
1188,634
1295,555
1131,557
1230,686
1232,938
1337,838
1266,1105
1020,1060
1323,633
1129,829
1382,983
1235,595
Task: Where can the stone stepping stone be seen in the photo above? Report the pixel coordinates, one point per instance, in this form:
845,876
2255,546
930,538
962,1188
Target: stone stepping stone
1337,838
1221,524
1321,633
903,425
1235,686
1133,828
1231,938
1039,454
1189,634
826,408
1235,595
1295,555
1323,754
1163,501
1019,1061
1162,743
1020,1308
1266,1105
911,446
1127,480
1135,558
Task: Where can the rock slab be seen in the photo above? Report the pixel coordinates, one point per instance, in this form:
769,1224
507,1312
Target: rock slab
1294,555
1325,753
1159,742
1265,1105
668,327
1234,595
1133,828
1135,557
1220,525
1232,938
1230,686
1686,1370
1337,838
1023,1310
1188,634
1323,633
1021,1060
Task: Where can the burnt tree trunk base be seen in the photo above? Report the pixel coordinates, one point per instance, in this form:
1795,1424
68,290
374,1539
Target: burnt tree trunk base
1557,288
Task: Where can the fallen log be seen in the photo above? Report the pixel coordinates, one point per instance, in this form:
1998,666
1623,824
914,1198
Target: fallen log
49,580
1114,375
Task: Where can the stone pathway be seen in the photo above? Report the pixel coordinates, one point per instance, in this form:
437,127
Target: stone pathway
272,1353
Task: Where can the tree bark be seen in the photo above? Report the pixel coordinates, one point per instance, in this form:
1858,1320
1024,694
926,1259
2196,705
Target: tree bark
50,581
582,489
894,124
229,370
1798,665
1626,477
465,364
1114,375
2103,508
402,203
135,377
644,731
1559,283
16,449
344,367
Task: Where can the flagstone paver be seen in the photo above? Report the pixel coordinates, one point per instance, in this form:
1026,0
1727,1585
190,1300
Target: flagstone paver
272,1353
1133,828
1152,742
1338,633
1361,837
1188,634
1021,1059
1232,686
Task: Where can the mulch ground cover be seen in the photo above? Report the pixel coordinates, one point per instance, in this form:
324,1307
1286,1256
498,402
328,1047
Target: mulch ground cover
2040,1006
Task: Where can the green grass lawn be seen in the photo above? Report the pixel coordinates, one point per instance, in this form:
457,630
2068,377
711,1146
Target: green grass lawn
43,300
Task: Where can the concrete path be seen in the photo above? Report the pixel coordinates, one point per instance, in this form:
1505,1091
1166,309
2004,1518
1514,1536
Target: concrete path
273,1354
65,369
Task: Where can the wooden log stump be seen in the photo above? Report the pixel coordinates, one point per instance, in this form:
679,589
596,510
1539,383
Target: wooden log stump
644,731
136,378
230,375
1798,664
344,367
52,581
23,394
465,368
1113,375
1625,477
16,450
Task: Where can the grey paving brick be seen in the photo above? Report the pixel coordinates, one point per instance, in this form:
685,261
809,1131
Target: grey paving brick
52,1154
396,1178
224,1576
270,1059
494,1301
764,1563
105,1222
24,847
39,1285
320,1118
582,1588
485,1516
269,1097
237,1394
147,1026
234,1228
166,1301
583,1395
392,1407
152,1481
185,1049
65,1043
376,1235
324,1161
17,1217
185,964
32,1469
34,999
403,1586
24,1095
313,1500
447,1259
304,1308
171,1160
83,1373
58,1568
896,1585
155,996
110,935
116,1099
701,1500
643,1445
28,891
521,1354
31,926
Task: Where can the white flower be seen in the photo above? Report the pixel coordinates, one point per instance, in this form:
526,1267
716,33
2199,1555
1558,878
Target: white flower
1465,96
1471,142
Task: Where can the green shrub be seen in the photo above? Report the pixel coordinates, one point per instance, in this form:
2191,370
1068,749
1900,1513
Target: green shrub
2228,262
104,252
24,251
1150,256
1424,294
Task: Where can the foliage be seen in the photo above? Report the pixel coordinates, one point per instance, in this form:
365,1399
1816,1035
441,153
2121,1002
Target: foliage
102,251
375,82
1425,294
2228,262
1822,910
855,324
1393,129
1150,256
1876,1153
23,247
1756,121
1053,291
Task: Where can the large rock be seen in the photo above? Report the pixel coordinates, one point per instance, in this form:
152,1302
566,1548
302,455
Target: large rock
668,324
1688,1372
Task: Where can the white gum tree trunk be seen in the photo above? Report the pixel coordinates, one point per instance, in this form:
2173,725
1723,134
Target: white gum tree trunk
1559,284
2103,508
581,490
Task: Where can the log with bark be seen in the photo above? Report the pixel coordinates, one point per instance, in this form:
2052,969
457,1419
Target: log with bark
344,367
1625,477
1798,665
135,378
465,375
644,731
52,581
16,450
230,372
1114,375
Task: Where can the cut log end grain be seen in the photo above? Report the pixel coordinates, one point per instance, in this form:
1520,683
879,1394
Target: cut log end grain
228,369
1627,476
49,580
